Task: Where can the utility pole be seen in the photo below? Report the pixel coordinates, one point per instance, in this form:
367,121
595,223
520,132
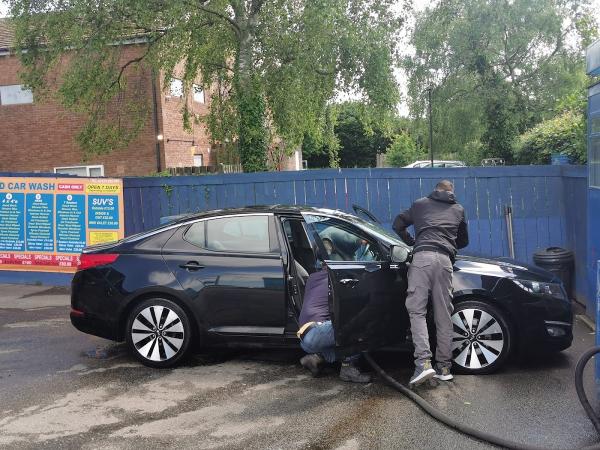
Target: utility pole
430,126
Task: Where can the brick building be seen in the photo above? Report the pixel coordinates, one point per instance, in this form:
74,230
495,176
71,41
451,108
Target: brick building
39,136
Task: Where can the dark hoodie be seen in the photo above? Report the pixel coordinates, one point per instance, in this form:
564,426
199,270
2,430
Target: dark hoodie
439,224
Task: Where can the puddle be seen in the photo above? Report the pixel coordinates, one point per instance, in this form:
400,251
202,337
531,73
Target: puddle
106,352
55,290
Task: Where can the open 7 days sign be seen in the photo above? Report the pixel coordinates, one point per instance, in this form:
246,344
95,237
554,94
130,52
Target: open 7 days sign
46,222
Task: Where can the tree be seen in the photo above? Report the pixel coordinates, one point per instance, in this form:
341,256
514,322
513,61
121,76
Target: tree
403,150
497,67
275,64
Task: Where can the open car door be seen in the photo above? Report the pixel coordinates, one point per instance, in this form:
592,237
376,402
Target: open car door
368,291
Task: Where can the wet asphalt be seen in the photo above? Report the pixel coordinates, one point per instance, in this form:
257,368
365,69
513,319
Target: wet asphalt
60,388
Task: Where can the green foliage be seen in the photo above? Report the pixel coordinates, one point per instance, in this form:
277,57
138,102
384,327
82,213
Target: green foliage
563,134
270,68
403,150
497,68
361,137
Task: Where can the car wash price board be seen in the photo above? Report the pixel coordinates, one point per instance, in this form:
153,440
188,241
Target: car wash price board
46,222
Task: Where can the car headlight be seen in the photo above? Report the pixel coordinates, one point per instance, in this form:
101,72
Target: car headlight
539,287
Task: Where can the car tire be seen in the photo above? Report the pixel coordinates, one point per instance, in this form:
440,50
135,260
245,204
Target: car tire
482,338
158,332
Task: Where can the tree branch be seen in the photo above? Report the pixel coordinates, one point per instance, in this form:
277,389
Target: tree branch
229,20
133,61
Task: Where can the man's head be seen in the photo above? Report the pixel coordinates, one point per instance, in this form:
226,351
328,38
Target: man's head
444,185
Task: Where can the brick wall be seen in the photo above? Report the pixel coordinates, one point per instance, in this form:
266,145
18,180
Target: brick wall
181,145
41,136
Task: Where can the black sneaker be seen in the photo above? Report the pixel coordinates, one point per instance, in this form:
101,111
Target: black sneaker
423,372
443,373
351,373
313,362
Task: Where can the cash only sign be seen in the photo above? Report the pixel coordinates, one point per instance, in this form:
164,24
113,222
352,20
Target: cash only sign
46,222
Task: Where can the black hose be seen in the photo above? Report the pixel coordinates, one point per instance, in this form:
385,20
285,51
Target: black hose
473,432
581,391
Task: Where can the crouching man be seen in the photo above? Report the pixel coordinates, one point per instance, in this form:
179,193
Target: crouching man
316,332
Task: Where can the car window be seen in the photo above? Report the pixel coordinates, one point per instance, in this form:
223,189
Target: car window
239,234
195,234
343,241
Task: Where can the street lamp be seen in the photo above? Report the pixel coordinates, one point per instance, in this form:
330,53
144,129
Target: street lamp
429,89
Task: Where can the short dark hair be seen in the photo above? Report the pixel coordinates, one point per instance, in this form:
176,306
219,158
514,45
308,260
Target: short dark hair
444,185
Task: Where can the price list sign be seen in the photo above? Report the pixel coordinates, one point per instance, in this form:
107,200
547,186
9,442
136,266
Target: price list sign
46,222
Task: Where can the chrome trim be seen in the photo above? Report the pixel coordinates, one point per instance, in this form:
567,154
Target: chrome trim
556,322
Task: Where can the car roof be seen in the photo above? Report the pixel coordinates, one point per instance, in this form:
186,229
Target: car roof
254,209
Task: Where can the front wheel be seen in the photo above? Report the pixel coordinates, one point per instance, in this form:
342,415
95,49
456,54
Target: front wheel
158,332
482,339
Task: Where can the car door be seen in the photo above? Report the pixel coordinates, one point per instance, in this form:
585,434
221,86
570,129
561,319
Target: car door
367,291
231,269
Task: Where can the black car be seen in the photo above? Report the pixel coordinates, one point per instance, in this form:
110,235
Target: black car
235,278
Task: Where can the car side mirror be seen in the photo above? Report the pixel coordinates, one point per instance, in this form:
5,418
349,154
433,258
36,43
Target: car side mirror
400,254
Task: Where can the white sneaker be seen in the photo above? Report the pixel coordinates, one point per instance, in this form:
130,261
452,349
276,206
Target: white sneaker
422,373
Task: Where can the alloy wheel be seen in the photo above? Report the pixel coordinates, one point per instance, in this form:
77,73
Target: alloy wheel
157,333
478,339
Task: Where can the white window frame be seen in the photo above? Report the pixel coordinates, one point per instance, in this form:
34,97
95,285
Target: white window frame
201,156
19,94
197,90
176,88
87,169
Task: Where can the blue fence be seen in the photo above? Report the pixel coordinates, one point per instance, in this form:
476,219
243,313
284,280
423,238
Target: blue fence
548,202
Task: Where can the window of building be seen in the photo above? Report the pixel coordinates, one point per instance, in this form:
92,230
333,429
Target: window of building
239,234
198,93
82,171
15,94
198,161
176,88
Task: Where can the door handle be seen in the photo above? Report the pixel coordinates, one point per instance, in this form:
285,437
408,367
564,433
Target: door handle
350,281
192,266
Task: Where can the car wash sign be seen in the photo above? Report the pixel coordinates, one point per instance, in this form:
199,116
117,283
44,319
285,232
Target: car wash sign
46,222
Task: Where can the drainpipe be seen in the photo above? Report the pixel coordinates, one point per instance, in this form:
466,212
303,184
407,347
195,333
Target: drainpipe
156,125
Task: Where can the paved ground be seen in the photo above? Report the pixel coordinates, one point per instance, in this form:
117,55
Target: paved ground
61,388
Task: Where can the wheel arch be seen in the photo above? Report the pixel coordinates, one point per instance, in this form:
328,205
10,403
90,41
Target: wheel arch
148,294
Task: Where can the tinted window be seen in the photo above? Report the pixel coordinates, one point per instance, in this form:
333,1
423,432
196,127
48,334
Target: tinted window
195,234
238,234
343,241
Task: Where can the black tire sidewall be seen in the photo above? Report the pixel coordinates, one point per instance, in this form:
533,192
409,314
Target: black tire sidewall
500,317
187,332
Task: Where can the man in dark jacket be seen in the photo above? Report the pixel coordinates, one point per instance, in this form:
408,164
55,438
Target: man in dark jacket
440,229
316,332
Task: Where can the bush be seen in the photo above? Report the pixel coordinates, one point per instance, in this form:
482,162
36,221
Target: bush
403,151
563,134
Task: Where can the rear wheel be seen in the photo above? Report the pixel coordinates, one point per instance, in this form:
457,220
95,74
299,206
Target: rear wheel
482,339
158,332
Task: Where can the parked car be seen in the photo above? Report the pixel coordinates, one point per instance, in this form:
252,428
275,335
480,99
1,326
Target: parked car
492,162
236,277
436,163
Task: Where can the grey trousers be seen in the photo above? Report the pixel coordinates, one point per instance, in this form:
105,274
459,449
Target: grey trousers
430,272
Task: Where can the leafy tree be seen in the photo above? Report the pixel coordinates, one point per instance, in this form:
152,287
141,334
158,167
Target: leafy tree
497,68
403,150
564,134
361,137
273,64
